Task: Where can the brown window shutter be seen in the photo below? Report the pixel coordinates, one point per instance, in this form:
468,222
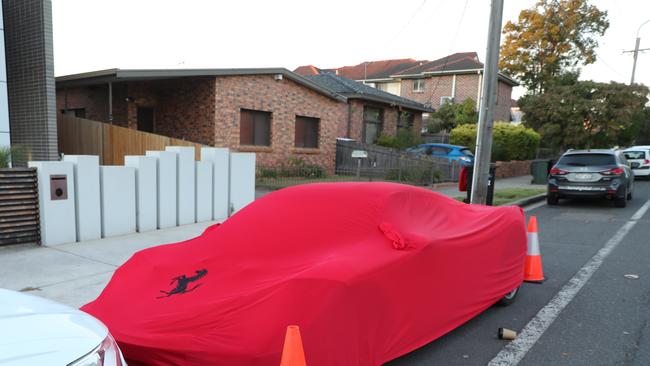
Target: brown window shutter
311,133
246,128
300,132
262,129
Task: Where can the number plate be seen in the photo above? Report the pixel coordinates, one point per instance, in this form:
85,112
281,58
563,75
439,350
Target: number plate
583,176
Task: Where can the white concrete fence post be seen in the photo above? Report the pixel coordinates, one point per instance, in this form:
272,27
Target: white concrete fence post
203,191
87,200
146,183
220,159
242,180
166,180
117,200
56,196
185,184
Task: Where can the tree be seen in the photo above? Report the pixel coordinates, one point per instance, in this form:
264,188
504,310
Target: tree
553,37
450,115
585,114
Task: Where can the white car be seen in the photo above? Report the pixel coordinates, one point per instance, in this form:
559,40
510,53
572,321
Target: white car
640,155
36,331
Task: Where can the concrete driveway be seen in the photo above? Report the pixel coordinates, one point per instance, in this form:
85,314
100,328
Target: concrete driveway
76,273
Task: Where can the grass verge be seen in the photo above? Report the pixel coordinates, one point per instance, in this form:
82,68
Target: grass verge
507,196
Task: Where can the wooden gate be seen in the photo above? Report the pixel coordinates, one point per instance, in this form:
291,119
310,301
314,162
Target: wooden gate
19,218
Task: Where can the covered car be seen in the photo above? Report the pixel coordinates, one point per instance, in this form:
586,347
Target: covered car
369,271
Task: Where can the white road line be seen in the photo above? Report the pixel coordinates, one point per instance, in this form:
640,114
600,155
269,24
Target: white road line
515,351
534,206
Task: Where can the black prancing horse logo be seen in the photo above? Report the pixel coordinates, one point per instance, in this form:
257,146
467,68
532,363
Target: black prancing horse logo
182,283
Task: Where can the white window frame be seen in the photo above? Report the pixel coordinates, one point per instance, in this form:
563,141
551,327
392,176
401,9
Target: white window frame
420,84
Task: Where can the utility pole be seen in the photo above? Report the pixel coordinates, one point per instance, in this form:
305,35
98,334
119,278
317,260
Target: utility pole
480,177
637,50
636,54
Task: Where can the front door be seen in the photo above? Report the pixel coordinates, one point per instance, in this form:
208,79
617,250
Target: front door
145,119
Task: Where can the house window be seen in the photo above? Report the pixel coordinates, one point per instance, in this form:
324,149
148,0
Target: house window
445,100
307,132
405,119
255,128
418,85
373,120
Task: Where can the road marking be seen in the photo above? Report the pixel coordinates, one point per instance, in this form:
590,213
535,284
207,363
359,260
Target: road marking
516,350
534,206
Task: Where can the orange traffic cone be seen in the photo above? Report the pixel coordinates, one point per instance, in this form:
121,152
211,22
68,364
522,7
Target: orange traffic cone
292,353
533,268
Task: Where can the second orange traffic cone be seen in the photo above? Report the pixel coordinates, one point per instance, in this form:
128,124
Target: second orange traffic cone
293,353
533,268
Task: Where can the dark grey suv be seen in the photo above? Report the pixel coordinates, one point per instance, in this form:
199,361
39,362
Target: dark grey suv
591,173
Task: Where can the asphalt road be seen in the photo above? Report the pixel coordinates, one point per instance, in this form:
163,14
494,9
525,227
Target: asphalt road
606,323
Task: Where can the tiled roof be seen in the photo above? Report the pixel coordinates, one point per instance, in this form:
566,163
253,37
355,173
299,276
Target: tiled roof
376,69
307,70
456,62
353,89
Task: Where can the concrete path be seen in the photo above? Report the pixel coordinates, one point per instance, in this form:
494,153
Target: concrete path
76,273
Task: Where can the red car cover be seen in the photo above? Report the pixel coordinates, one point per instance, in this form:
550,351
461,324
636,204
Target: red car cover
369,271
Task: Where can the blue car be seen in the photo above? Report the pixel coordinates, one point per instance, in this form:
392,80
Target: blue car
450,152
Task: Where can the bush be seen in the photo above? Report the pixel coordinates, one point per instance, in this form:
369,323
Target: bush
509,142
405,137
418,175
294,167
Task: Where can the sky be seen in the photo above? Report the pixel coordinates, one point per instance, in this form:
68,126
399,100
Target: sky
99,34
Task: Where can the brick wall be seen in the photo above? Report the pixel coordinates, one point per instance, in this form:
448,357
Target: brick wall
94,99
502,109
434,88
284,99
390,118
467,86
515,168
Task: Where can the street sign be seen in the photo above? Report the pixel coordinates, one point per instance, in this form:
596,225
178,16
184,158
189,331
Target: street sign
359,154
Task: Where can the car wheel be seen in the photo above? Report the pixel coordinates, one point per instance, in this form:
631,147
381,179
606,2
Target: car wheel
629,196
509,298
552,200
620,202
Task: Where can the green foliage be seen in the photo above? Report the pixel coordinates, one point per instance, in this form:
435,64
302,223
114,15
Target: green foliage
586,114
450,115
17,154
416,175
640,133
295,167
553,37
405,137
509,142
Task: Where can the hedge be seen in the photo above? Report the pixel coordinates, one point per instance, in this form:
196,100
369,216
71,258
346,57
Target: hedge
509,142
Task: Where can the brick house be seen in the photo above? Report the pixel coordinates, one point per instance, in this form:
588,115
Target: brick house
371,112
273,112
453,78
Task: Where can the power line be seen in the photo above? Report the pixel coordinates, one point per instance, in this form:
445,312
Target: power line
451,47
415,14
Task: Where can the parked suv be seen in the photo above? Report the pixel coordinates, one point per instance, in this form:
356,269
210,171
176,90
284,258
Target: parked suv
591,173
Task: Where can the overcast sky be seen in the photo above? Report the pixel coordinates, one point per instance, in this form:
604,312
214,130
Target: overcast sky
99,34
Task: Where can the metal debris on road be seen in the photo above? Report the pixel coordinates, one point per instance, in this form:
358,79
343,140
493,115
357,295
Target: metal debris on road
632,276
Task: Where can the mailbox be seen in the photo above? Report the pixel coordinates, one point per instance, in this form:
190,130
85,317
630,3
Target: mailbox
58,187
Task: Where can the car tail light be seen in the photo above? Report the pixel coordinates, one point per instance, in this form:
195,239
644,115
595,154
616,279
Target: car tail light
557,171
615,171
646,161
